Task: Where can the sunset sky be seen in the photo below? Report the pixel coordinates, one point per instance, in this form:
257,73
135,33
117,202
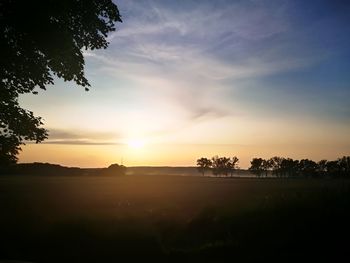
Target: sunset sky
186,79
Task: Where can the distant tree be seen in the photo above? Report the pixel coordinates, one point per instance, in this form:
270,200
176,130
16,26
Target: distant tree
40,40
221,165
289,167
226,165
233,164
114,169
308,167
322,167
256,166
344,166
333,168
276,165
295,168
215,165
266,166
203,164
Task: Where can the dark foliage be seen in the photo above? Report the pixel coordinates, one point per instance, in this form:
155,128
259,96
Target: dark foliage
278,167
40,40
256,166
287,167
203,164
222,165
114,169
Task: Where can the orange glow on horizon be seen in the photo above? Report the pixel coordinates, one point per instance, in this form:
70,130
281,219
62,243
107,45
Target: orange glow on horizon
168,154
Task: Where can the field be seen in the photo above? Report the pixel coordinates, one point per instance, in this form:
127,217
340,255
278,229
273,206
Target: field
172,219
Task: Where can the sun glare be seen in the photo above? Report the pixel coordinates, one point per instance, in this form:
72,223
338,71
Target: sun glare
136,143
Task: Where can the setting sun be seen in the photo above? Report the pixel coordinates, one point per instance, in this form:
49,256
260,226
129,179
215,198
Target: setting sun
136,143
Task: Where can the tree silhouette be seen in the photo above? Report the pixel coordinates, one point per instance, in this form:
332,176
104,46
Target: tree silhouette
276,165
279,166
233,164
40,40
114,169
322,167
266,166
203,165
333,168
308,167
221,165
256,166
289,167
344,166
16,125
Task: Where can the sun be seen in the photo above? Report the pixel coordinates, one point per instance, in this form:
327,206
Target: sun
136,143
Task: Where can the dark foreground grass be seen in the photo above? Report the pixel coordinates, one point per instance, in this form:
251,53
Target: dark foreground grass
173,219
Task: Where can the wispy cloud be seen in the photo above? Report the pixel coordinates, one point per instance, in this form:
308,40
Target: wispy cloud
202,41
184,60
188,61
69,137
80,142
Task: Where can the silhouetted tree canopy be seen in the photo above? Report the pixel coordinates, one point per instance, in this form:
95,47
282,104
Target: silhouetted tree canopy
114,169
221,165
40,40
218,165
256,166
287,167
203,165
279,167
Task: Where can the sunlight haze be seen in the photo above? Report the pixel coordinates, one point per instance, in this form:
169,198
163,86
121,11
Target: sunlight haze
190,80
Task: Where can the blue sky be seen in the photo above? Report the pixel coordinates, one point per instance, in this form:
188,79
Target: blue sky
252,77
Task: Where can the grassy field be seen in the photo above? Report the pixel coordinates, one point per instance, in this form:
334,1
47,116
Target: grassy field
173,219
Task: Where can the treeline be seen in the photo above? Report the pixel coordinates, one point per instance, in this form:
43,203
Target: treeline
218,165
47,169
278,167
287,167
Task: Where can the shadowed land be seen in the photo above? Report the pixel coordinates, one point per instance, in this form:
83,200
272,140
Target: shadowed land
172,218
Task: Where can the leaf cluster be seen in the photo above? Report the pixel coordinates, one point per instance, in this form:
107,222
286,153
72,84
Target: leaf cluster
41,41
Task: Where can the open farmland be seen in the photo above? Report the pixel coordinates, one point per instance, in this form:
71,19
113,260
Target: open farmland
172,218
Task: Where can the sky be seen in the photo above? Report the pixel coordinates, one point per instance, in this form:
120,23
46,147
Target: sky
182,80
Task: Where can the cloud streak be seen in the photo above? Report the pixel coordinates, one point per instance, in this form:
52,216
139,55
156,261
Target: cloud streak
69,137
185,65
187,61
80,142
202,44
